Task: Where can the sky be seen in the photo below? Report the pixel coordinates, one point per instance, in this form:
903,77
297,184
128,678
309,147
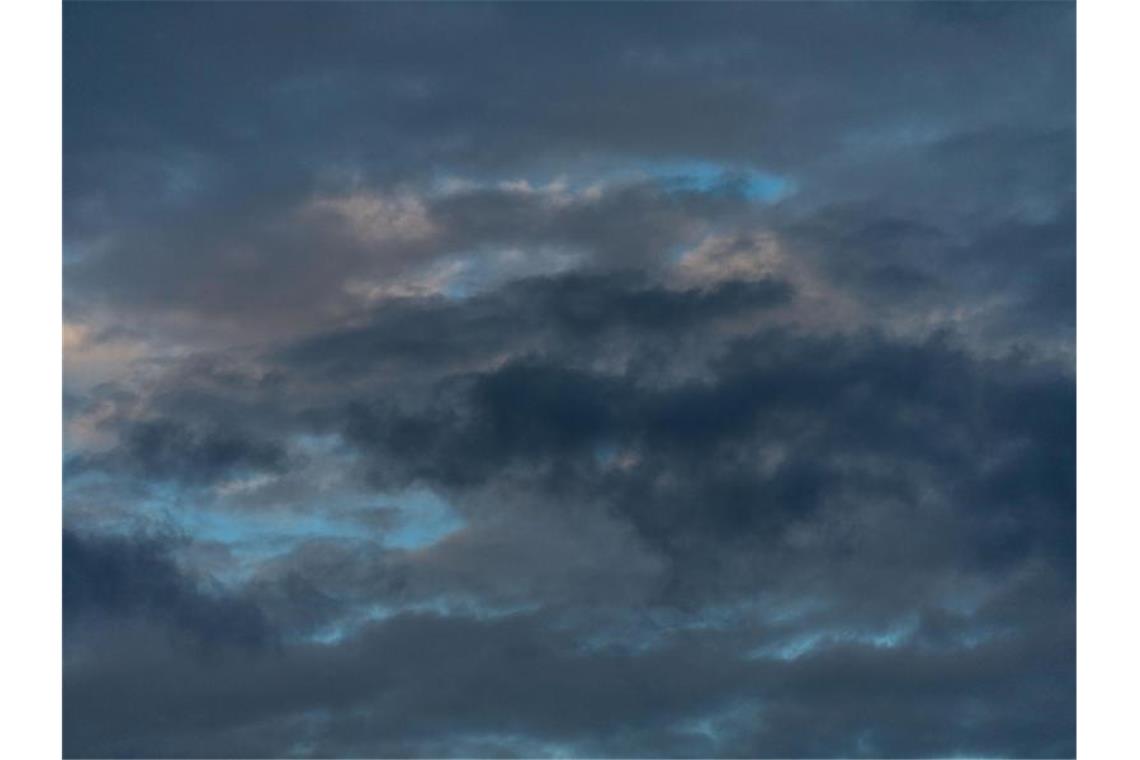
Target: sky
569,380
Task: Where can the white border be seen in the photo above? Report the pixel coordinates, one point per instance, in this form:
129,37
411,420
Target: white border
1108,289
30,127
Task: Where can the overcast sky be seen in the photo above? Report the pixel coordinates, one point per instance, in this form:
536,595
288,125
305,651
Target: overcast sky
569,380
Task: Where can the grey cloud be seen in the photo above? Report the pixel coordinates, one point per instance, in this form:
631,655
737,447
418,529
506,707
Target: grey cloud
169,450
232,167
517,678
108,581
440,385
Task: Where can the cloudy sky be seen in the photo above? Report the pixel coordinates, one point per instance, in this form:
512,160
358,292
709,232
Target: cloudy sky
569,380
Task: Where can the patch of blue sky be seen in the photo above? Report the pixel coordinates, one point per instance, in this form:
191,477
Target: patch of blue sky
797,646
439,606
270,528
423,518
647,630
254,536
710,177
695,175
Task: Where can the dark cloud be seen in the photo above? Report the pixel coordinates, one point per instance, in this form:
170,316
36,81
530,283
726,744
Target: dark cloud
169,450
520,687
787,424
788,463
533,380
561,313
110,581
200,172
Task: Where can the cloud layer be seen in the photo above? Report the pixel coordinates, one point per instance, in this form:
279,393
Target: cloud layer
508,380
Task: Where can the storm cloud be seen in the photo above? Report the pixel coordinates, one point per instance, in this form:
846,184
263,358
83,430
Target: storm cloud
569,379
